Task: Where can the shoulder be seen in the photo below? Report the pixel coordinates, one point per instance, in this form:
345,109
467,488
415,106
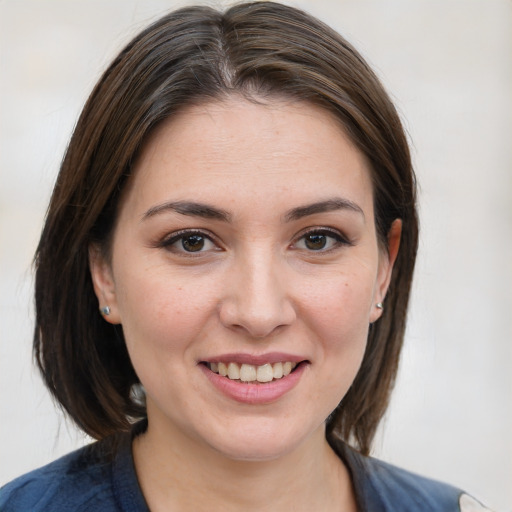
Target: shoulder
78,481
380,486
413,492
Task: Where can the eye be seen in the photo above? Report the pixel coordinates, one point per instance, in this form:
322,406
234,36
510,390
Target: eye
320,240
189,242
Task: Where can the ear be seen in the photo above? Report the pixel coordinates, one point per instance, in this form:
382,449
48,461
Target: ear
386,261
103,282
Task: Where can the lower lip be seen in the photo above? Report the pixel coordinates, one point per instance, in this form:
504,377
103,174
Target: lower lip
263,393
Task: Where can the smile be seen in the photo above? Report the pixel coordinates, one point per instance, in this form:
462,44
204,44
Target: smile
255,380
251,373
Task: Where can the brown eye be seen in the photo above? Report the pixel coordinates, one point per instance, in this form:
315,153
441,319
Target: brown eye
315,242
188,242
321,240
193,243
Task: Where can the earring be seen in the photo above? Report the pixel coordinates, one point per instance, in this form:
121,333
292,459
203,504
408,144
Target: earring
105,310
379,305
138,394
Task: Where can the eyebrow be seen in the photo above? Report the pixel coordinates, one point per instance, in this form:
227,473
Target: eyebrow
329,205
193,209
189,208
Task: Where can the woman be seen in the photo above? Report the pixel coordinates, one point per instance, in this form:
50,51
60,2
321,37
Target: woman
238,202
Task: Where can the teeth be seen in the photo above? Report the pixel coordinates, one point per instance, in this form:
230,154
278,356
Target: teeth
251,373
233,371
223,370
247,372
265,373
278,370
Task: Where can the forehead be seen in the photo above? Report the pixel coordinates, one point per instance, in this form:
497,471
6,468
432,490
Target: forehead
223,148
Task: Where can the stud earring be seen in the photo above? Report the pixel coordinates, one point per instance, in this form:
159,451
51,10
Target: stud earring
379,305
105,310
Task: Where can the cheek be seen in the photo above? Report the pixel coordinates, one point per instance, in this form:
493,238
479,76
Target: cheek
339,320
161,311
338,324
341,305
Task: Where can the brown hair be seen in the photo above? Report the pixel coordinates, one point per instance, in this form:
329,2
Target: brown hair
195,54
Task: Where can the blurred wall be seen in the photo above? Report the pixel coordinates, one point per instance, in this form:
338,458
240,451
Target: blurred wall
448,65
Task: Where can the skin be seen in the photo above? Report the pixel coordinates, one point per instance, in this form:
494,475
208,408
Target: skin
258,284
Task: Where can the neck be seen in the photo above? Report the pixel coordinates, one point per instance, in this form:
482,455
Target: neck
189,477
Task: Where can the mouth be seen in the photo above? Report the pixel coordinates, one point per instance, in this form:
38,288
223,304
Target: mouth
253,374
255,379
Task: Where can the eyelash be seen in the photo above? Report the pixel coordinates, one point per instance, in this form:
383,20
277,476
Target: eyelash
168,242
339,239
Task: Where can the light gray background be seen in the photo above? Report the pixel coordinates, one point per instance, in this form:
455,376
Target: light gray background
448,65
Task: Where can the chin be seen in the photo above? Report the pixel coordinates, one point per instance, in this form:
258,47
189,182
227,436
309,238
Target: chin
262,443
262,452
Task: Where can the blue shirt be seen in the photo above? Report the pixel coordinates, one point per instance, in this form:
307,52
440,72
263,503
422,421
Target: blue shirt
101,478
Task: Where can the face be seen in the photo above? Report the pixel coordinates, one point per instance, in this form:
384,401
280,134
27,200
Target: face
245,244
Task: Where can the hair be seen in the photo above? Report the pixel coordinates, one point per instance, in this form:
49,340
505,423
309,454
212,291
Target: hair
192,55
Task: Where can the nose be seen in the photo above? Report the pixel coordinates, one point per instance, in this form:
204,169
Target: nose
256,298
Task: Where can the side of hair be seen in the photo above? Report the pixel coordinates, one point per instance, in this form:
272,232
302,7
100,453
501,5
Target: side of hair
196,54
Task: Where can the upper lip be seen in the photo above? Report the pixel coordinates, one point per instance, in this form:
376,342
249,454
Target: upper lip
256,360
